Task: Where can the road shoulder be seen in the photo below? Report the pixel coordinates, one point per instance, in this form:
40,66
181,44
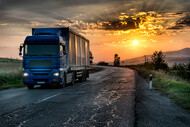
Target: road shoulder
155,110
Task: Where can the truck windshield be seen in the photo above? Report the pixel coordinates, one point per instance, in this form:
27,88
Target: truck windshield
41,50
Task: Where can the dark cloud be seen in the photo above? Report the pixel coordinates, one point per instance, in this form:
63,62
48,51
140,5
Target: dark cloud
9,19
180,24
176,27
126,24
53,2
49,12
184,21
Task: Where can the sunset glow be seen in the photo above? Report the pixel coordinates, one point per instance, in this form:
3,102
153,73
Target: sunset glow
135,42
131,29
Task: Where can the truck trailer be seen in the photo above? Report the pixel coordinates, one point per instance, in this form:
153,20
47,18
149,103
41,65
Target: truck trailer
54,56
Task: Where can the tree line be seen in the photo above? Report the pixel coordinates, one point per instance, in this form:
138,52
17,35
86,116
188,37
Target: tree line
158,62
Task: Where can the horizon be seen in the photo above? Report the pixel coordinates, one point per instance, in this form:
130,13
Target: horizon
20,58
129,28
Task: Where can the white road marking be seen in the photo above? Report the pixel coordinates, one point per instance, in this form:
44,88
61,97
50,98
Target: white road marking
98,77
47,98
84,84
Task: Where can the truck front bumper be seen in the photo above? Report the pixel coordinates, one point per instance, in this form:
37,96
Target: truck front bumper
42,77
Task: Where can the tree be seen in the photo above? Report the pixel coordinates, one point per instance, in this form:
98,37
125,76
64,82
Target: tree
116,60
158,60
188,66
91,57
102,63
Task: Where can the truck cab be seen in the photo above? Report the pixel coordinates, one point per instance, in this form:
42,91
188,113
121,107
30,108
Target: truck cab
50,57
44,60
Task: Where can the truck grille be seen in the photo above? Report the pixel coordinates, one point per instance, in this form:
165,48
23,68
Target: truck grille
35,63
41,80
41,74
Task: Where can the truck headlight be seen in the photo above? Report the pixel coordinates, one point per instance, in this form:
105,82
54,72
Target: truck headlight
25,74
56,74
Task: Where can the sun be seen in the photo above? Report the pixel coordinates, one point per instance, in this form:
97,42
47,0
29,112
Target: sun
135,42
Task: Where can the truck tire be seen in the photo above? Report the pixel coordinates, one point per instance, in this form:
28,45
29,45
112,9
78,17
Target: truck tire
73,79
54,85
30,86
83,78
87,74
65,80
60,85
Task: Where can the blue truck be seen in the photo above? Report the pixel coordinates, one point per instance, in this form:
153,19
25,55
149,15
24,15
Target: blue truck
54,56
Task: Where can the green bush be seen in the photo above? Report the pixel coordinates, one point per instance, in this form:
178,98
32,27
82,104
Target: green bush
116,60
181,70
148,65
158,61
102,63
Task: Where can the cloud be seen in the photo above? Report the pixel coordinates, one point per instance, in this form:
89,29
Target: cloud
3,24
181,23
94,14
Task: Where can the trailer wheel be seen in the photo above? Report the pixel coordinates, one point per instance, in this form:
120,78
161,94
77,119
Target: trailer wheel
83,78
30,86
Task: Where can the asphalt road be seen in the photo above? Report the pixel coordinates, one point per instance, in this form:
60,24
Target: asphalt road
105,99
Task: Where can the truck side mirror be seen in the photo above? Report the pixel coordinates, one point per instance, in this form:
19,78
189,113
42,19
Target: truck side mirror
20,50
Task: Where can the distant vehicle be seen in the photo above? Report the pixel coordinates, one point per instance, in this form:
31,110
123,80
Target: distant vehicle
54,56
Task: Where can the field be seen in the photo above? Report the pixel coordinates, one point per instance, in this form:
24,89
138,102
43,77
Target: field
10,73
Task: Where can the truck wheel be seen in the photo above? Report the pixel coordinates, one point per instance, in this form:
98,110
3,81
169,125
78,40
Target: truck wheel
73,79
60,85
83,78
65,80
54,85
30,86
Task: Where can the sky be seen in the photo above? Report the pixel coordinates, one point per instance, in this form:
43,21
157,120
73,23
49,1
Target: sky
112,26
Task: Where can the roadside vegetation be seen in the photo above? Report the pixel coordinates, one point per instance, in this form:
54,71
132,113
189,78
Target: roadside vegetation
103,63
94,69
10,73
172,81
91,57
116,60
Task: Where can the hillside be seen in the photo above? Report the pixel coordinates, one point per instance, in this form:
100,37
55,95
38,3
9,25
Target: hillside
179,56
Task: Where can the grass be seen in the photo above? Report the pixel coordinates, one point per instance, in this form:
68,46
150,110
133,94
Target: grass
10,73
11,79
177,91
174,87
